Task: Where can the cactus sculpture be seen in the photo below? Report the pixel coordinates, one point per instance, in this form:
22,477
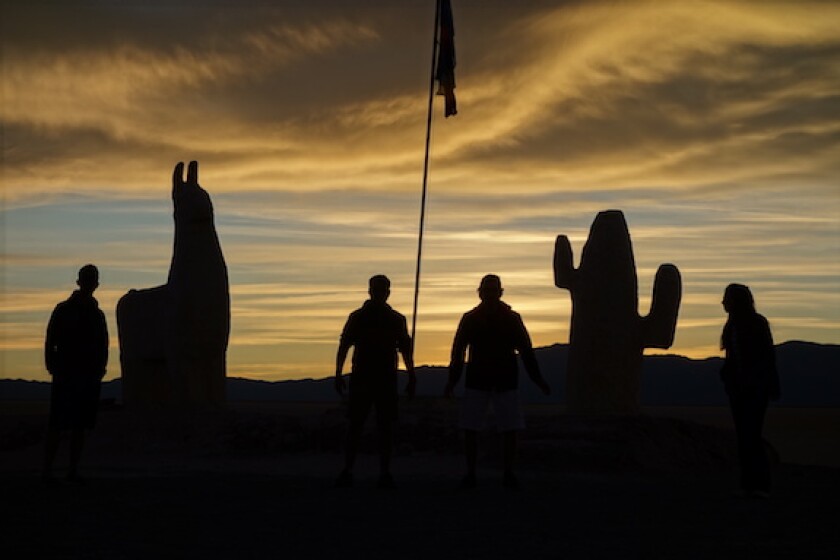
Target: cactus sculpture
607,335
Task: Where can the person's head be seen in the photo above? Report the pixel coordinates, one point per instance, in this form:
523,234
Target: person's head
88,279
379,287
738,299
490,288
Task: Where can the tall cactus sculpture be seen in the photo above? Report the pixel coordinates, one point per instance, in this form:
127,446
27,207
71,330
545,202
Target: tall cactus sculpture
607,335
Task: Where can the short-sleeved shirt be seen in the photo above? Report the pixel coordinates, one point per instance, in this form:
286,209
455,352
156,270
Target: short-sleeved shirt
377,333
493,334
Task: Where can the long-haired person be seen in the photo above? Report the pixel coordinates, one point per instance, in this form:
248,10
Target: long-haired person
751,381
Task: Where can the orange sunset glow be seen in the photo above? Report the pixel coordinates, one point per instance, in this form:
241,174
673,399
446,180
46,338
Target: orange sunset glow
714,126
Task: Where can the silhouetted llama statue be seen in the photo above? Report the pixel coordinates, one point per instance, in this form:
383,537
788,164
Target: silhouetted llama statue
173,338
607,335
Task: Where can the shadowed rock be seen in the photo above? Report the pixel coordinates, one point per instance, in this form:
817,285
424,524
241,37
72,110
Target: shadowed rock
607,335
173,338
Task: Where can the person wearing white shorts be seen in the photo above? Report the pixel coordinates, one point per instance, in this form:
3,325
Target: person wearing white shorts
494,334
507,410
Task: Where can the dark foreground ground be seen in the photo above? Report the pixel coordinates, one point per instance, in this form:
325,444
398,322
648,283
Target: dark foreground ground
257,483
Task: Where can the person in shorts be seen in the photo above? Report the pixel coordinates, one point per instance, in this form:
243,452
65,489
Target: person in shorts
76,355
494,334
376,332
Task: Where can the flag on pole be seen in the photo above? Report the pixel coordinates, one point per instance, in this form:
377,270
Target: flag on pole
445,73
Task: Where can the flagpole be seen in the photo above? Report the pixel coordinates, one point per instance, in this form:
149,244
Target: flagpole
425,175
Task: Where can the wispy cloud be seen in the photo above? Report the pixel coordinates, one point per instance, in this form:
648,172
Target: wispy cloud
714,125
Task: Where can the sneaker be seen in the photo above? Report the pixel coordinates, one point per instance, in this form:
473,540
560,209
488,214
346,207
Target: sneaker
386,481
344,480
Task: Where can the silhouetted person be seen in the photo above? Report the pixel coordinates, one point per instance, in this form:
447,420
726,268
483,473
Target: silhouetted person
494,333
751,380
76,355
376,332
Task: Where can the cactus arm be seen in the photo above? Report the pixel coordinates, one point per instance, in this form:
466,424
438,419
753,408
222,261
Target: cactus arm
660,326
564,268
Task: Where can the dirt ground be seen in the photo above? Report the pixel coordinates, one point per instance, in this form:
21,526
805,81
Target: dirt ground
257,482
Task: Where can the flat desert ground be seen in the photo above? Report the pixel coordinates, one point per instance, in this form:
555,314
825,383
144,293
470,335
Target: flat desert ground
256,481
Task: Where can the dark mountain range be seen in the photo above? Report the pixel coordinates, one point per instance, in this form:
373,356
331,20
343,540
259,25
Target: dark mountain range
810,376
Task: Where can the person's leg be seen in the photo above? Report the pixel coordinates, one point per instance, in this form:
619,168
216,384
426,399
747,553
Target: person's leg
57,418
471,452
386,445
509,441
351,447
387,405
739,416
758,471
473,413
77,443
509,451
50,450
510,419
358,409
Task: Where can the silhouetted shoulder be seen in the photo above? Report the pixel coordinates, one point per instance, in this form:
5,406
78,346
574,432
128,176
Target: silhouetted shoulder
500,310
398,321
75,304
762,320
59,309
397,315
755,327
469,315
63,305
373,316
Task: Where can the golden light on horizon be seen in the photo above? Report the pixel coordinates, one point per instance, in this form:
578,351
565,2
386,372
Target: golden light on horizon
714,126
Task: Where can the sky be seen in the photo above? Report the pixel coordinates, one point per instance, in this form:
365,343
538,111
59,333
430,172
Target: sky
713,125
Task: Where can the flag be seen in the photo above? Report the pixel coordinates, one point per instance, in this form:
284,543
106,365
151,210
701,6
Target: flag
445,73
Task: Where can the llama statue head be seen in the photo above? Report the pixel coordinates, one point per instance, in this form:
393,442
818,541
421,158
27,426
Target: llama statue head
190,202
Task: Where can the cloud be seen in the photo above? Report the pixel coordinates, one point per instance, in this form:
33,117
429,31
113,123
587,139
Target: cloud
714,126
668,96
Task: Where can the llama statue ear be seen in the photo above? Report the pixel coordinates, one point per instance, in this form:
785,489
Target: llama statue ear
177,177
192,173
169,358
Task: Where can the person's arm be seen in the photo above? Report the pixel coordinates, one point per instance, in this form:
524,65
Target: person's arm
456,361
774,385
104,345
725,342
340,357
50,358
406,347
529,358
344,345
